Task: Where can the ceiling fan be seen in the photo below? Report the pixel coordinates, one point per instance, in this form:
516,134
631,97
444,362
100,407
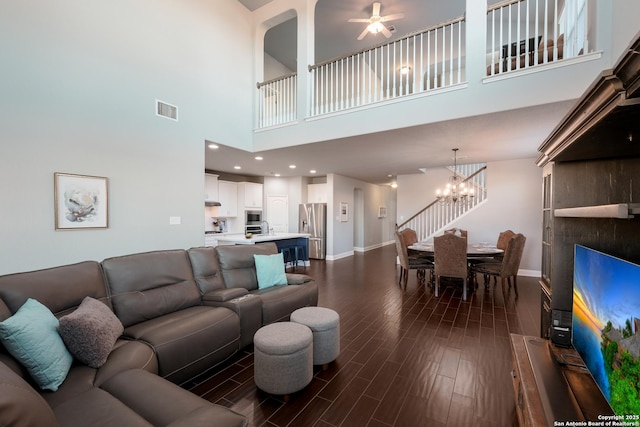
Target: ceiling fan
375,23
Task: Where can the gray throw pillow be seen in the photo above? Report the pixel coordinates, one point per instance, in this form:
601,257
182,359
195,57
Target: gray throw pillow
90,332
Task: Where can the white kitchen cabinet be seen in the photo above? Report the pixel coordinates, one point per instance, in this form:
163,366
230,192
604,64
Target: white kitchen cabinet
317,193
210,187
211,240
228,198
250,195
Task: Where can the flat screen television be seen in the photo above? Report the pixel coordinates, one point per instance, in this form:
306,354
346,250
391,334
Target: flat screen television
606,319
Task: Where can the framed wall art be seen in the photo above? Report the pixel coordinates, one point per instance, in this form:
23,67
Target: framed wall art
81,201
382,212
344,212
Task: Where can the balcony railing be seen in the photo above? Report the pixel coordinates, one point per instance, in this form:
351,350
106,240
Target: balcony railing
520,34
277,101
526,33
419,62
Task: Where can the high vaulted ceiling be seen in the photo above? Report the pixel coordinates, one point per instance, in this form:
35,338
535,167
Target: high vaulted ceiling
379,157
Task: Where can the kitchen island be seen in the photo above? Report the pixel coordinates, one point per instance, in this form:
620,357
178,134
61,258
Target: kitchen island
286,243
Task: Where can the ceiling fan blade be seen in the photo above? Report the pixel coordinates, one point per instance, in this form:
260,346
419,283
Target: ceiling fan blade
376,9
392,17
364,33
385,31
358,20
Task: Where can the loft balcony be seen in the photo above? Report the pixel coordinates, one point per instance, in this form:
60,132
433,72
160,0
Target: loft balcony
518,38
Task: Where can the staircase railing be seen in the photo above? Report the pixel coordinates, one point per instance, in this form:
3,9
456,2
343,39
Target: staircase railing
436,216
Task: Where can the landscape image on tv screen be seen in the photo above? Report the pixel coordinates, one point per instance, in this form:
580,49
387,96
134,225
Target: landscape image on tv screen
606,319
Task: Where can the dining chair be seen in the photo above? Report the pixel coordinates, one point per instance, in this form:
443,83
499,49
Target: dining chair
410,237
463,233
411,263
508,268
450,253
503,240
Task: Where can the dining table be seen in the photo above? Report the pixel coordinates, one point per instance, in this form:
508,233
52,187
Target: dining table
474,250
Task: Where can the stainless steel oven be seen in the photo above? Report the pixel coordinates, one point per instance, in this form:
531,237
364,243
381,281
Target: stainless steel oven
252,222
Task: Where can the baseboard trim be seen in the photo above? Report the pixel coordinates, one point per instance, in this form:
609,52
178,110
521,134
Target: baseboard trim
340,256
529,273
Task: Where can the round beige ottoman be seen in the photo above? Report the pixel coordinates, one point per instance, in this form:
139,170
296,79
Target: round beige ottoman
325,325
283,358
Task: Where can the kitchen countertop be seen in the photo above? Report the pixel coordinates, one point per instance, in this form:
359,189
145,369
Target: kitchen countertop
239,239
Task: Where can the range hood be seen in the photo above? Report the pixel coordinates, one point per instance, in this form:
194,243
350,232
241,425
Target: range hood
211,203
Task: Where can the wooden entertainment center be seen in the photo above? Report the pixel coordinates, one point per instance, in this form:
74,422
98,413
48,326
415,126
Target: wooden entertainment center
590,160
552,386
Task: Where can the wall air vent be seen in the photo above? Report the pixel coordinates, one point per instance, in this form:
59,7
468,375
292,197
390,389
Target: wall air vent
166,110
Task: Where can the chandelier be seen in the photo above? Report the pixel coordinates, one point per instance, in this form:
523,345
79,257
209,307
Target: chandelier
456,190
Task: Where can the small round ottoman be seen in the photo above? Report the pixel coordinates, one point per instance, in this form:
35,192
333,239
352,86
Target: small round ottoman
283,358
325,325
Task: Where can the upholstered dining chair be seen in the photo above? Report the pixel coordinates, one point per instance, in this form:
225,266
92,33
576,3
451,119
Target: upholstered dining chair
503,240
411,263
463,233
410,237
508,268
450,254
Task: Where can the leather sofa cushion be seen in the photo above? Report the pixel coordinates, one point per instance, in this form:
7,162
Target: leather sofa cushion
20,404
61,289
98,408
163,403
206,269
279,302
151,284
125,356
238,265
189,341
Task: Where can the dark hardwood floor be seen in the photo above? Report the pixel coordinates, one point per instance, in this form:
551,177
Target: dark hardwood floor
407,358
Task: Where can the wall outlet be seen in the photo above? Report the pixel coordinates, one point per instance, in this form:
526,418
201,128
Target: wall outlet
174,220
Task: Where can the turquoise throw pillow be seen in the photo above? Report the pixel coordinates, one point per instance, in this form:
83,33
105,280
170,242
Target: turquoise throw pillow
31,336
270,270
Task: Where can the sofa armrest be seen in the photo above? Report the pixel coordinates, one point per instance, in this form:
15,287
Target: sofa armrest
247,306
20,404
223,295
297,279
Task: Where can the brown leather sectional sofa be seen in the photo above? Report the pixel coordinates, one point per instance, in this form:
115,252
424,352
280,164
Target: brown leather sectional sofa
183,312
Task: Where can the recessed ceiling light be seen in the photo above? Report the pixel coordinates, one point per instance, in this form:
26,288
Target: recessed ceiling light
213,146
258,157
394,185
276,174
312,171
292,166
405,69
237,167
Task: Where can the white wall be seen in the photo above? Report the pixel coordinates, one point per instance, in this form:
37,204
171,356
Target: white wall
513,202
79,84
376,231
274,68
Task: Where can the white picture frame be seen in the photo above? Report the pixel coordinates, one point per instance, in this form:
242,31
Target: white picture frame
81,201
344,212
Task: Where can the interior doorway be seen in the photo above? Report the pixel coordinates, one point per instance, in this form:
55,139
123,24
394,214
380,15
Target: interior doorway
278,213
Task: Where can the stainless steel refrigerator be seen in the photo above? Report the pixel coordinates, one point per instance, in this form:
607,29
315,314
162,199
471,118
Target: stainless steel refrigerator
312,219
